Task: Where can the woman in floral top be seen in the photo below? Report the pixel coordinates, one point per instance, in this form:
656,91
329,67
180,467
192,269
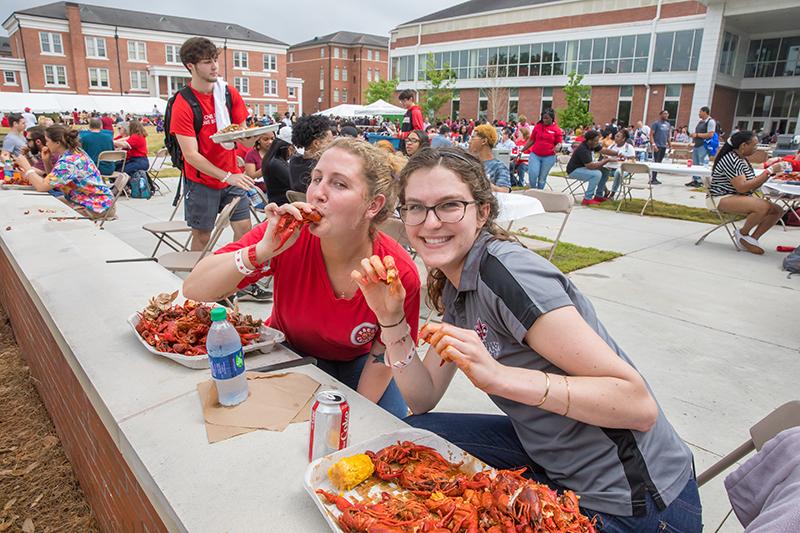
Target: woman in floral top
73,174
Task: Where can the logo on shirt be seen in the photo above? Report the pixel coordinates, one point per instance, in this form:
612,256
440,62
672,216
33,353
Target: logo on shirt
209,119
363,333
482,330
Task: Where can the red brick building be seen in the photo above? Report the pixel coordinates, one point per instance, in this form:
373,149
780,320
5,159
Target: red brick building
337,68
741,58
73,48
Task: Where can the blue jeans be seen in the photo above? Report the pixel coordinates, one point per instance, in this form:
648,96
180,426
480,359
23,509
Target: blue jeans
699,156
133,164
492,439
596,180
520,172
538,169
349,373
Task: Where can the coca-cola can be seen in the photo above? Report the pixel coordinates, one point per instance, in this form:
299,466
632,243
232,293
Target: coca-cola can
688,162
330,424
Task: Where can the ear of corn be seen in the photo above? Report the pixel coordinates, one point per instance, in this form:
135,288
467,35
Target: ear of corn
348,472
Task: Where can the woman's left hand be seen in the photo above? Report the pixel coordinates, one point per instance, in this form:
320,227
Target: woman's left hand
464,348
385,298
22,162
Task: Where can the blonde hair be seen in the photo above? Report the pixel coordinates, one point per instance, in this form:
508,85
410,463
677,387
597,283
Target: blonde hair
488,132
526,133
380,170
385,145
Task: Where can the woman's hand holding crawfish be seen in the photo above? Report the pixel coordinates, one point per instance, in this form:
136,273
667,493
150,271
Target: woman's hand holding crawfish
464,348
283,227
379,281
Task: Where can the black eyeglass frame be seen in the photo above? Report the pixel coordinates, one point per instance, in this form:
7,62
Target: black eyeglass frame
464,204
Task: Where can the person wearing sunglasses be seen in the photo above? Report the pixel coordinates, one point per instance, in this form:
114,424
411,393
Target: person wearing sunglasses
576,412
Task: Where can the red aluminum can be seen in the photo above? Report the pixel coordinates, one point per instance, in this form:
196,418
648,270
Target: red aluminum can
330,424
689,163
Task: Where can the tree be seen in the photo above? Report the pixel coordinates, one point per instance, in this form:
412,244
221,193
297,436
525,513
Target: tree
440,87
380,90
577,111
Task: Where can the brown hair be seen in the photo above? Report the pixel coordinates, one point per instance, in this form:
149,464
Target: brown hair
526,133
66,137
385,145
380,170
470,170
197,49
135,128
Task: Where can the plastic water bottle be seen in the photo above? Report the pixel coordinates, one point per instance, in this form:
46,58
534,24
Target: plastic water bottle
226,359
8,171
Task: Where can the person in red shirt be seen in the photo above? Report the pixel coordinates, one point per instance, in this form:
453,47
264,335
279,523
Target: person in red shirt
412,120
317,305
213,177
545,141
108,122
136,146
76,117
794,160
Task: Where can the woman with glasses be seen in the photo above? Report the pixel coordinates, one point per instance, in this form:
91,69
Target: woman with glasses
577,413
317,305
415,141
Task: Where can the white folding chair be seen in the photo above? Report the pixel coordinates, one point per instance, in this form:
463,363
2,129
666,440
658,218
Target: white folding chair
155,169
628,184
574,187
725,220
553,202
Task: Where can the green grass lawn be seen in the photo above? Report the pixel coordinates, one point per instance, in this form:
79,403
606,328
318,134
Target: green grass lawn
663,209
570,257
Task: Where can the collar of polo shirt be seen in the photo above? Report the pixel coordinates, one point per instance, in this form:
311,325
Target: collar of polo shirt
472,265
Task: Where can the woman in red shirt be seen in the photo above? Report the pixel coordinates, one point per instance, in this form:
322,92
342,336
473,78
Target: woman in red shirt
317,305
545,141
136,146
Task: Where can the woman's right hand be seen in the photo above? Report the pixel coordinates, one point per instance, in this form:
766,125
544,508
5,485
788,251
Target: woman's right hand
777,168
270,244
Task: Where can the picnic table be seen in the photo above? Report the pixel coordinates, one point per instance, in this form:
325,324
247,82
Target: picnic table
669,168
516,206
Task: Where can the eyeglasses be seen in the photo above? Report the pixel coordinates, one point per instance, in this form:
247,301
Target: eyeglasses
448,212
412,140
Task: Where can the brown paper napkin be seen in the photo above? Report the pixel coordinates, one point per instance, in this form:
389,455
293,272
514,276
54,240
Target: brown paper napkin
275,401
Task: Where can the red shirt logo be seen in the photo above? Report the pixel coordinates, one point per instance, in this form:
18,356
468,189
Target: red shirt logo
363,333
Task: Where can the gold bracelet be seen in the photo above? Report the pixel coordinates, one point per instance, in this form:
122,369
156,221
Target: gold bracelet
566,382
546,389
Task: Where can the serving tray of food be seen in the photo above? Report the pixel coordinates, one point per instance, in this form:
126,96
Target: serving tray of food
178,331
413,480
235,132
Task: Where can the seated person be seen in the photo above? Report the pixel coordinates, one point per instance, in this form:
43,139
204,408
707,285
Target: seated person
582,167
312,133
136,146
254,157
275,170
793,160
74,174
733,182
96,140
621,150
317,305
483,139
415,141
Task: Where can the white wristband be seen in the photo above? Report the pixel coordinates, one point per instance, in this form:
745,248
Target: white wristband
239,262
29,171
225,179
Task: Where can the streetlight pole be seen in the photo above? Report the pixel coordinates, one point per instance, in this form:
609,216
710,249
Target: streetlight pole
319,103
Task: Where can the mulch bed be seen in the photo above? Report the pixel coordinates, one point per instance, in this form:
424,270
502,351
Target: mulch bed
38,489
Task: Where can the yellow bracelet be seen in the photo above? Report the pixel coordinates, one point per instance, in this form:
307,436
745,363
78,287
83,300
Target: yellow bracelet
546,389
566,382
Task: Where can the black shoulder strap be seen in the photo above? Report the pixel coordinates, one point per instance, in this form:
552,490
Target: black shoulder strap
197,112
229,102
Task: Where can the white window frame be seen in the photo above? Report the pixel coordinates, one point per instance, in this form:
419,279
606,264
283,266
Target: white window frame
322,52
345,53
175,81
291,57
376,75
52,38
95,41
344,96
137,47
344,74
369,75
99,75
240,60
377,55
270,62
141,83
335,53
335,73
369,55
56,76
270,109
336,96
242,85
321,79
292,92
270,87
13,80
176,54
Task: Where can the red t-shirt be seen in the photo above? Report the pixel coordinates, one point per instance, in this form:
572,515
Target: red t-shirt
138,146
545,139
182,123
794,161
305,307
108,123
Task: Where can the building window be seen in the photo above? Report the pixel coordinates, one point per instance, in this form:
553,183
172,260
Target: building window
455,105
176,83
137,51
624,104
336,95
403,68
344,74
270,109
96,47
240,60
9,77
336,53
138,80
547,98
51,43
173,54
774,111
369,55
242,85
292,109
344,96
270,62
672,98
271,87
336,74
677,51
513,104
55,75
483,105
322,52
377,55
344,53
773,57
291,57
292,92
727,58
369,74
376,76
98,78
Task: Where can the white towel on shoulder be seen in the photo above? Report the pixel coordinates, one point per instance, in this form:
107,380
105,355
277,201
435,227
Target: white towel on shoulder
221,114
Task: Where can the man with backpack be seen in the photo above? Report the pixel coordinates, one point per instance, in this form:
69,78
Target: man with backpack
196,112
705,130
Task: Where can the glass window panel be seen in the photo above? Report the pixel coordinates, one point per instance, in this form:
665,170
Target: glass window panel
611,66
745,105
795,109
672,107
502,55
535,69
547,69
464,59
752,53
681,53
672,91
560,51
502,71
627,46
536,53
769,49
599,49
643,45
558,69
612,47
547,92
524,70
780,69
597,67
625,66
512,70
663,52
765,70
572,51
624,112
583,67
787,43
524,54
640,65
763,103
625,91
547,52
698,39
438,60
492,56
483,55
750,70
585,51
781,104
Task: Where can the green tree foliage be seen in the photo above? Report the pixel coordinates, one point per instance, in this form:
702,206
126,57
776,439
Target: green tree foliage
440,87
577,111
380,90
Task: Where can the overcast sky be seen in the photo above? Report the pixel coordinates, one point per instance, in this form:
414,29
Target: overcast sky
291,21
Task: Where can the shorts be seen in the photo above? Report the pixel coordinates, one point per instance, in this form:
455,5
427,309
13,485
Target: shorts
202,204
710,204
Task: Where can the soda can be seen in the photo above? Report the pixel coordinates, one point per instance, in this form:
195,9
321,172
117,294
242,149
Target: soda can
330,424
689,163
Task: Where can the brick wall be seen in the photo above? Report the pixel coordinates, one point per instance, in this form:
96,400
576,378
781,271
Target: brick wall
724,107
530,102
305,65
685,106
116,498
603,104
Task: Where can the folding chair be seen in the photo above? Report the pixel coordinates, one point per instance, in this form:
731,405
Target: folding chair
573,186
295,196
185,261
629,171
164,230
725,220
117,189
553,202
394,228
156,166
253,209
112,156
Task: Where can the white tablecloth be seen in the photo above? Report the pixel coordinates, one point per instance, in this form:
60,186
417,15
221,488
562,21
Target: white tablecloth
670,168
776,187
516,206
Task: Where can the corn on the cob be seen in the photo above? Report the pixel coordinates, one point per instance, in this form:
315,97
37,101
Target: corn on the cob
348,472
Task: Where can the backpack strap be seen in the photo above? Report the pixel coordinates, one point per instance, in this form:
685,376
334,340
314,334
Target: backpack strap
229,102
197,112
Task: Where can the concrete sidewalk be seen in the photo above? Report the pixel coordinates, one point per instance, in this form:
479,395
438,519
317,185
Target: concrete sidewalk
710,328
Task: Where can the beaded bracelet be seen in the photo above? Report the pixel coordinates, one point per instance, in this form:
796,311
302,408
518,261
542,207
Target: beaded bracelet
239,262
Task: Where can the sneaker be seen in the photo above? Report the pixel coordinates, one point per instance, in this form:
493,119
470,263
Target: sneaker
693,184
737,235
254,293
593,201
601,199
750,244
655,181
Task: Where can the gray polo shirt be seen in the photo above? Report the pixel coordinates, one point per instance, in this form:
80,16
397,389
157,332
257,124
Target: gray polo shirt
661,132
504,288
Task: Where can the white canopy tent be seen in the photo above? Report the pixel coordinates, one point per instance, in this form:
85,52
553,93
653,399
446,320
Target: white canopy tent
341,110
380,107
59,103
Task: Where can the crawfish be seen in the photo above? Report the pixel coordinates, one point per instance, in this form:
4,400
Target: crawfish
288,223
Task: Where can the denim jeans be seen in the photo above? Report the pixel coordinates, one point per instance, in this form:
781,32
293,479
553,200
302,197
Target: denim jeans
617,181
519,174
538,169
492,439
596,180
699,155
349,373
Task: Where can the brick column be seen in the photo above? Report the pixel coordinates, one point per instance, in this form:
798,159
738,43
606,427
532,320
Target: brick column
77,49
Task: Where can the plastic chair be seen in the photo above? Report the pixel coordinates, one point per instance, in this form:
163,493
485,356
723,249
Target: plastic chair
725,220
553,202
155,169
629,171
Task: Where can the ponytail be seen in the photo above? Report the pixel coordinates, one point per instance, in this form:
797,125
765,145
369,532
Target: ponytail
66,137
733,143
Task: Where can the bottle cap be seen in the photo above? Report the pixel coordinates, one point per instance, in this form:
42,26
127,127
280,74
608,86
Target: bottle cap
219,313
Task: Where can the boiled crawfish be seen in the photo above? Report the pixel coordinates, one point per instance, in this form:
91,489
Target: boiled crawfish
288,223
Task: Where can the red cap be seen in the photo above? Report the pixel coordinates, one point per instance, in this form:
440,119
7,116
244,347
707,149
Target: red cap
27,109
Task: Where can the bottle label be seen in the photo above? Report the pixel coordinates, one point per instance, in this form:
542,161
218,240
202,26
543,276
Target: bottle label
228,366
